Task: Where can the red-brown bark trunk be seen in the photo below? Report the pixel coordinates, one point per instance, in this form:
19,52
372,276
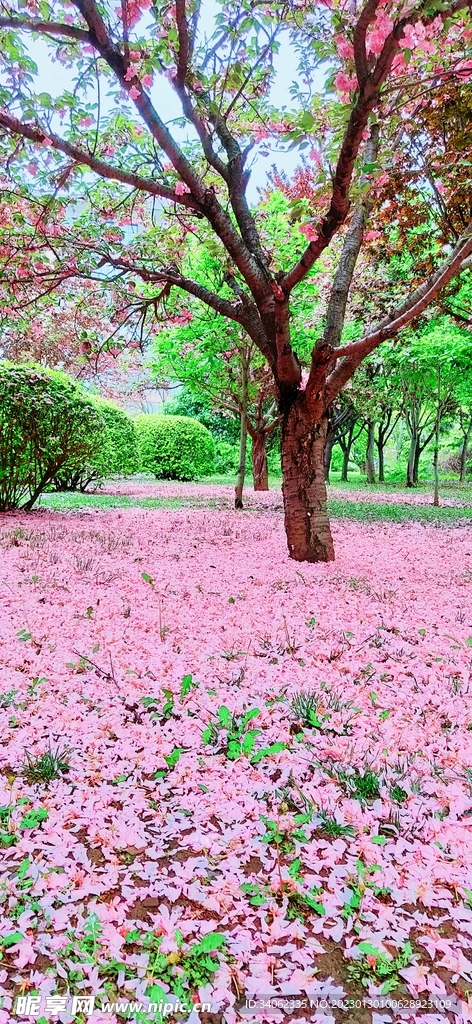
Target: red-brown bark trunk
260,471
304,488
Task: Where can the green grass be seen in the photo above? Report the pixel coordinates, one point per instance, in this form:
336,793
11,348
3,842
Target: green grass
70,501
370,512
345,507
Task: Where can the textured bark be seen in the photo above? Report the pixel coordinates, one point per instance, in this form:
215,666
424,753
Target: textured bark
260,470
369,455
304,488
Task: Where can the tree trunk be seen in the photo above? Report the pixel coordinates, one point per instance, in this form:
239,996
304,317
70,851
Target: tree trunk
369,455
238,490
436,474
439,412
410,469
345,465
380,450
304,488
416,463
260,472
463,454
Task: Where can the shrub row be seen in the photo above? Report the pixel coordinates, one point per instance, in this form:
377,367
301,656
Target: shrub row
54,435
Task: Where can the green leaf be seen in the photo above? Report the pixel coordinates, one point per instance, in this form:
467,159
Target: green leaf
274,748
234,750
224,716
187,685
248,741
34,817
294,869
11,939
315,905
209,942
147,579
368,949
23,868
172,758
378,840
253,713
307,120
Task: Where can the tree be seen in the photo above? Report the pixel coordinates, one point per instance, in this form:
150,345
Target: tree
430,368
339,419
380,62
219,362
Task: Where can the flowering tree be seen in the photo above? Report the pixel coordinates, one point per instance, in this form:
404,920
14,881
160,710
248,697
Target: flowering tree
124,159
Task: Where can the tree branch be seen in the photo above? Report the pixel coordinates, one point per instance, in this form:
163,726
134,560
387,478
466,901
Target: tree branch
81,156
347,263
50,28
352,355
369,92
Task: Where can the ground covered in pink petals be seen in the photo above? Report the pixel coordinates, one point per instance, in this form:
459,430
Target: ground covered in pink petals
262,771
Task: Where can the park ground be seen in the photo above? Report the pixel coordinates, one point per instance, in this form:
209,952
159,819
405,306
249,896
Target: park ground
227,774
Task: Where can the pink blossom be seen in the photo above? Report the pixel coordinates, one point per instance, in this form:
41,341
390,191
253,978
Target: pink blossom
344,82
310,231
181,188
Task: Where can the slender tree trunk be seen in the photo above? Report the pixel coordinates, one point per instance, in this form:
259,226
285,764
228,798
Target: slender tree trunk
369,455
410,469
238,490
435,470
260,472
345,465
380,452
330,442
463,454
437,425
304,488
416,462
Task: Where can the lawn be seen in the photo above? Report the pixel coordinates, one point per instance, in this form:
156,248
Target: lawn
227,776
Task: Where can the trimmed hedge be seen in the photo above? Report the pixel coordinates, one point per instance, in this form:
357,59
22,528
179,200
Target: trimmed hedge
47,423
175,447
116,453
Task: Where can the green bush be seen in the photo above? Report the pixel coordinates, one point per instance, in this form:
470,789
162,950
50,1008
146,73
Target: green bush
116,452
47,423
174,447
227,457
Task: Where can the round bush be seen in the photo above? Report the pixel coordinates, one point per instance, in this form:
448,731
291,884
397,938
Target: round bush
116,452
174,447
47,424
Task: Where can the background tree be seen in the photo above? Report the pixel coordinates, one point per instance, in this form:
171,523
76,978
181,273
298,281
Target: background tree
231,375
